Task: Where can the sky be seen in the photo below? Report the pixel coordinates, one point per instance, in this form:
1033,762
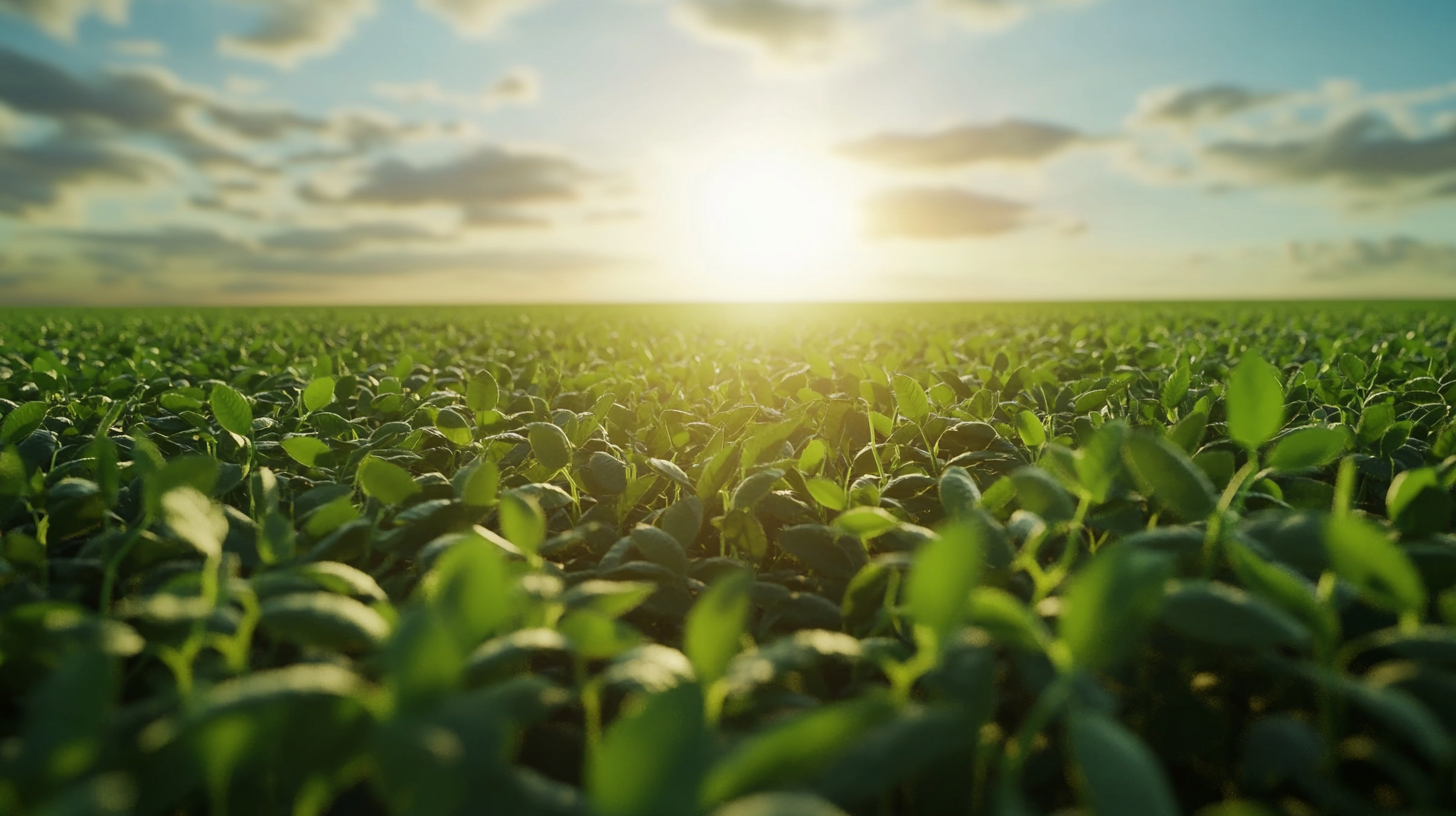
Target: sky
458,151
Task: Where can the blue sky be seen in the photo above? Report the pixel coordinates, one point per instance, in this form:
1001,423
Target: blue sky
528,150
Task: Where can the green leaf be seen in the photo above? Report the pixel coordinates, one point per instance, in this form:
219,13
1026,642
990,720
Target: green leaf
1007,619
910,399
945,571
1116,771
1418,503
660,548
1040,493
325,620
653,758
1175,388
866,522
305,450
789,753
1090,401
521,521
1189,432
597,636
959,495
1286,590
827,494
453,427
1166,473
1353,368
1099,463
611,598
813,456
1254,402
195,519
1379,570
604,475
1109,604
549,444
474,589
482,393
752,490
683,520
1030,429
482,485
319,393
232,410
1226,616
1308,447
386,481
1375,420
22,422
713,631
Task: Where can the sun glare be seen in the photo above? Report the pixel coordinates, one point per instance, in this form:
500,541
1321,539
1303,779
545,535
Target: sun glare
764,217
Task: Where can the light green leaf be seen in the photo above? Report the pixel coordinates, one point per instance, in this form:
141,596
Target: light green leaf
305,449
232,410
714,629
521,521
1375,566
319,393
828,494
1254,402
1308,447
910,399
386,481
549,444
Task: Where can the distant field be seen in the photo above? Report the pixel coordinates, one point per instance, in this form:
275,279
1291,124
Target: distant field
737,560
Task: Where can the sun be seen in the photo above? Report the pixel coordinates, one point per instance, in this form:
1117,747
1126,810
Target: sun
764,218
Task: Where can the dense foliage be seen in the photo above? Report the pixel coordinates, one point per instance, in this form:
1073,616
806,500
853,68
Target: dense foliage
742,561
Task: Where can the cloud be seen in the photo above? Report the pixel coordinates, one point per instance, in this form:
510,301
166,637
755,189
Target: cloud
1187,107
1365,153
341,240
142,125
37,177
488,187
341,253
60,17
475,18
520,86
142,49
294,30
780,32
1369,150
941,213
1013,140
995,15
1327,260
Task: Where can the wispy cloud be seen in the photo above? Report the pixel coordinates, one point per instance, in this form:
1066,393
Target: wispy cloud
941,213
60,17
291,31
781,33
476,18
1008,141
1372,150
520,86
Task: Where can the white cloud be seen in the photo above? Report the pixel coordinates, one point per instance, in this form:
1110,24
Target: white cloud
518,87
60,17
782,33
475,18
294,30
995,15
